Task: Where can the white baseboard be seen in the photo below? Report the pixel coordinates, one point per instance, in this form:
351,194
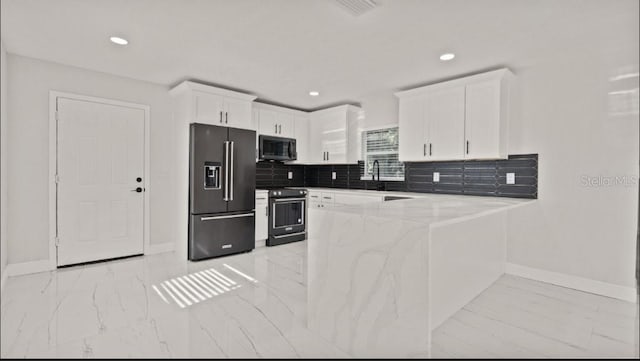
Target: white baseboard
160,248
574,282
17,269
261,243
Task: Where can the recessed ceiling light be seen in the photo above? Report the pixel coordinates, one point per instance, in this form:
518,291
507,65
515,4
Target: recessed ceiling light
314,93
447,56
118,40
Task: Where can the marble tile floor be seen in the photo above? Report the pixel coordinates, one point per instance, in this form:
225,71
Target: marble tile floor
254,305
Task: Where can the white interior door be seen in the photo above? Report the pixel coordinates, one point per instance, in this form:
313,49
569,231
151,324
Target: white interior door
100,158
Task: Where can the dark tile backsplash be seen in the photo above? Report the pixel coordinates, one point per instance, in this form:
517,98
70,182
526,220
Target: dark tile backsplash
473,177
275,174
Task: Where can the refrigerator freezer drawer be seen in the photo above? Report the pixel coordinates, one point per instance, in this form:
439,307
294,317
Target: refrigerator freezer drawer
214,235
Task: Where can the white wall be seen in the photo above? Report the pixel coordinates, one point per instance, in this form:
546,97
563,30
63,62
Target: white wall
567,115
380,109
3,158
30,81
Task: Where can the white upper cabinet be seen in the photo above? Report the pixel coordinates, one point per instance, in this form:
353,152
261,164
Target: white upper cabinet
465,118
301,134
209,108
444,115
210,105
275,121
334,136
485,120
237,113
412,142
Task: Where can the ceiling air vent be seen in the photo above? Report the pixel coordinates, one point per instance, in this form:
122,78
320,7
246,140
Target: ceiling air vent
357,7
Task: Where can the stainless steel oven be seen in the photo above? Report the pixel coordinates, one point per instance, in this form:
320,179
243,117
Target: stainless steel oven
287,216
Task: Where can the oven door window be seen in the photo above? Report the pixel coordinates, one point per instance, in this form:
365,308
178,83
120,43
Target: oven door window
288,213
275,148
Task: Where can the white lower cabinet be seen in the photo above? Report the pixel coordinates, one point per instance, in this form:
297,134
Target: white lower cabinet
262,215
319,199
346,198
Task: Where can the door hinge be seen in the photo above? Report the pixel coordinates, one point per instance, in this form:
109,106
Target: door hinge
57,240
56,179
57,116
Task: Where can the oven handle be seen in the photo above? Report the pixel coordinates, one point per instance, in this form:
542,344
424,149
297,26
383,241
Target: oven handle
289,235
289,199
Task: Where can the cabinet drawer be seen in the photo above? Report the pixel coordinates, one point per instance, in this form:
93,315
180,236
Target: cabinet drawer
356,199
217,235
327,197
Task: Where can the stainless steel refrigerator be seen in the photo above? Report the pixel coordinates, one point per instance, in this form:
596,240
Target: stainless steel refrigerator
222,178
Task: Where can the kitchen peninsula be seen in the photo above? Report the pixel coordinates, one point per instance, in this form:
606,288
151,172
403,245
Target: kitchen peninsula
383,275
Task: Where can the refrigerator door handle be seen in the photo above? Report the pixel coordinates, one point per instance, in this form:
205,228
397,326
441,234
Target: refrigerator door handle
231,179
226,217
226,172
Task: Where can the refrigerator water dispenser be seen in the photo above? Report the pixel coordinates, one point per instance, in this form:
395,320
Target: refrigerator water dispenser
212,175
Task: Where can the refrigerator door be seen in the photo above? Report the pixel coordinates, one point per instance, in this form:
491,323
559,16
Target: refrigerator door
242,185
207,169
213,235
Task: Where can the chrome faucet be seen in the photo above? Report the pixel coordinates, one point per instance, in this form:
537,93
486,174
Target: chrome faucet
373,176
379,185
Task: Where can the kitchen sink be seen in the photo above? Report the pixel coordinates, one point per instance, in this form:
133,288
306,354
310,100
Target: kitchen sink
394,198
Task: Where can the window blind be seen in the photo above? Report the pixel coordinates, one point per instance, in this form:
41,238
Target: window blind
382,145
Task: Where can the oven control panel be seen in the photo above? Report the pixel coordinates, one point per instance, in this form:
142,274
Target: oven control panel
284,193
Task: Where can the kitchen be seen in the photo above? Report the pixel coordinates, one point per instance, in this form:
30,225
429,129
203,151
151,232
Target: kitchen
492,146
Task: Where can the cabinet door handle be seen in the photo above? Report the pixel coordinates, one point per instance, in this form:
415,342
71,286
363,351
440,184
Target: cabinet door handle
276,128
280,129
221,116
467,147
424,149
226,117
430,152
327,155
266,211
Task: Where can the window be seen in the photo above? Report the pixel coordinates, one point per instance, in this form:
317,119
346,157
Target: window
382,145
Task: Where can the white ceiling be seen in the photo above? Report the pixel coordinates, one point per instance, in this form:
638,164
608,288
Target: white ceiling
281,49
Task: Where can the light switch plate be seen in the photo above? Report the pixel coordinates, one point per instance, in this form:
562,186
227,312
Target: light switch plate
333,175
290,175
511,178
436,176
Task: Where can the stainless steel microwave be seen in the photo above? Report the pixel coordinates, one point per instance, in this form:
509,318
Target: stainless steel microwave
276,148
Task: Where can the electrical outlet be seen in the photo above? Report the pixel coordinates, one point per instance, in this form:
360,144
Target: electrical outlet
333,175
436,176
511,178
290,175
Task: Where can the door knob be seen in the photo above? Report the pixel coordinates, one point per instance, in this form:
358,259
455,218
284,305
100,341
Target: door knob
137,190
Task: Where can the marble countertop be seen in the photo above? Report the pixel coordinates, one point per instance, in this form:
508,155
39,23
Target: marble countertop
368,192
431,209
